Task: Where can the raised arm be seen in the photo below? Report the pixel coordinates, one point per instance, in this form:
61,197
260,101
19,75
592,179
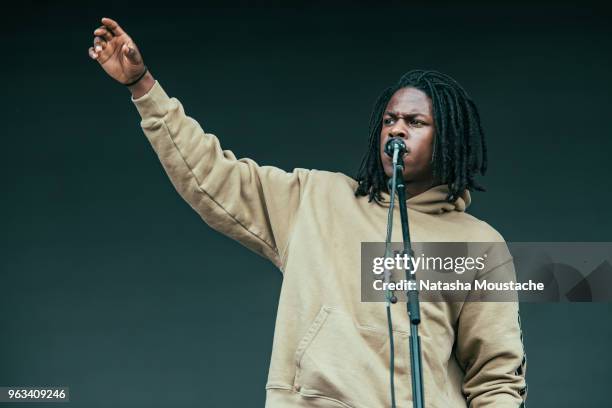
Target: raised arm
256,205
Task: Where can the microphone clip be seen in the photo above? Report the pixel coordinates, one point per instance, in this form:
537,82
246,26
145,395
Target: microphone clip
395,144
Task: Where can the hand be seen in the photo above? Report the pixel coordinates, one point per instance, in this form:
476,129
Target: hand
116,52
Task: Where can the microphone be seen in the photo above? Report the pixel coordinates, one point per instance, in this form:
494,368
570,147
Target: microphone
393,144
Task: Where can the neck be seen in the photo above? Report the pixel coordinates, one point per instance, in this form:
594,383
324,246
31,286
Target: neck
414,188
417,187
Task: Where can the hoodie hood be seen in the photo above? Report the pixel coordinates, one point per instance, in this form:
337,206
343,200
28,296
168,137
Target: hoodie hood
433,201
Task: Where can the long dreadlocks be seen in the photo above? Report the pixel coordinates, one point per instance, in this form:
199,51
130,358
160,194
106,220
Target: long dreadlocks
459,150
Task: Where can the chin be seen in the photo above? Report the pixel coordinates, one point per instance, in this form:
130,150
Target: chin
388,169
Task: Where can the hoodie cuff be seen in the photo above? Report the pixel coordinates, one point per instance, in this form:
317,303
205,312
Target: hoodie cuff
154,103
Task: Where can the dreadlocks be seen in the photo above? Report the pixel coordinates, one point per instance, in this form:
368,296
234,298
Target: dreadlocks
459,150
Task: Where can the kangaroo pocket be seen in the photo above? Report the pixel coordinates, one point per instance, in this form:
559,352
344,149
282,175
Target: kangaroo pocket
341,360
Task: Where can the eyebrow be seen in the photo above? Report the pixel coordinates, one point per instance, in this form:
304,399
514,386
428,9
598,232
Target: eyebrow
394,114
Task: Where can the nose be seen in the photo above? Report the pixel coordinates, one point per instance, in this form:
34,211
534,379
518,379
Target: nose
398,131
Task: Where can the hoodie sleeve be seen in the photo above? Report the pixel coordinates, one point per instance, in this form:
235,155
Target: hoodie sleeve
490,347
255,205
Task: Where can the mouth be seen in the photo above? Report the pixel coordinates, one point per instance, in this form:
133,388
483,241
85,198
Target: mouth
406,155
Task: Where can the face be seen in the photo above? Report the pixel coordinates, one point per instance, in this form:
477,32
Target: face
409,116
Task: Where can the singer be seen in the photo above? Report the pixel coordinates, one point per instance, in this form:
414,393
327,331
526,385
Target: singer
331,350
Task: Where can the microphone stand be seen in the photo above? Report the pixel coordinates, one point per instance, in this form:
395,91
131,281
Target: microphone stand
412,306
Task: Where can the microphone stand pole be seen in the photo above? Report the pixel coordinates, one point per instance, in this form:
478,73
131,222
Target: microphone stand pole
414,313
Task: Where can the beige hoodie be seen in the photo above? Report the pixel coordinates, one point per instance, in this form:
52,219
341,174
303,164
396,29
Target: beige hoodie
330,349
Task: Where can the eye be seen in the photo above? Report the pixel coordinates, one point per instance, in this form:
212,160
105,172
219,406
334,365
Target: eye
416,123
387,121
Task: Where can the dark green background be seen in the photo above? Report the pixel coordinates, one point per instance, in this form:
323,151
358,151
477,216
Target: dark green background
113,286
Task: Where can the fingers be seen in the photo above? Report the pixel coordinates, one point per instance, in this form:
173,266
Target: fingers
113,26
104,33
99,44
103,40
92,53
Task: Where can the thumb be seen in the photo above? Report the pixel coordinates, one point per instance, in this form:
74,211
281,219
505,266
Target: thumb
129,52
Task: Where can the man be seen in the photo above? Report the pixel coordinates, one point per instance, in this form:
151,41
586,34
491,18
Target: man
330,349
